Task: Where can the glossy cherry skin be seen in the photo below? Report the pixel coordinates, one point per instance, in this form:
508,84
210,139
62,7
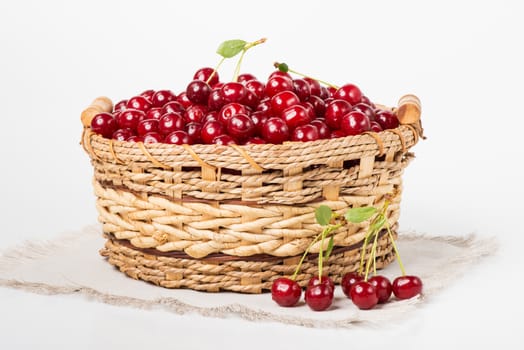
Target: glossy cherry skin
264,106
122,134
367,101
295,116
215,100
350,93
364,295
279,73
257,87
170,122
314,86
152,137
348,280
336,134
318,105
245,77
104,124
224,140
240,127
210,130
198,92
233,92
135,138
173,107
354,123
319,297
283,100
255,141
259,118
194,131
375,126
250,100
366,109
161,97
302,89
335,110
275,131
305,133
315,280
204,74
285,292
148,94
120,106
146,126
154,113
277,84
178,137
229,110
406,287
386,119
195,113
130,118
382,287
139,102
183,100
322,128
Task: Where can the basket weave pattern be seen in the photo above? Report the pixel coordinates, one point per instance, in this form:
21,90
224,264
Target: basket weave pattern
235,218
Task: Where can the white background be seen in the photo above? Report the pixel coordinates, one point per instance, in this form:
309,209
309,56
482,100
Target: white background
463,59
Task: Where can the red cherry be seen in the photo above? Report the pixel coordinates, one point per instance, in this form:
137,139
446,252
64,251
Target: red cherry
120,106
319,297
210,130
363,295
146,126
245,77
264,106
387,119
173,107
195,113
122,134
295,116
194,131
335,110
259,119
215,100
315,280
336,134
183,100
210,116
366,109
204,74
229,110
153,137
256,87
179,137
348,280
198,92
250,100
350,93
310,110
277,84
283,100
382,287
135,138
130,118
233,92
224,140
285,292
104,124
354,123
240,127
305,133
275,130
375,126
367,101
322,128
161,97
255,141
170,122
318,105
302,89
148,94
154,113
314,86
139,102
406,287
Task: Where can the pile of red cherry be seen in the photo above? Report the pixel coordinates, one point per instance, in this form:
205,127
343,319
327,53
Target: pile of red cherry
246,111
364,294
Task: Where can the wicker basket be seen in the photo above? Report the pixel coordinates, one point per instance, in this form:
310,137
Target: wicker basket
235,218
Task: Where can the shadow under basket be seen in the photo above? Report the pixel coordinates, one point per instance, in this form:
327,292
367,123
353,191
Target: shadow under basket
234,218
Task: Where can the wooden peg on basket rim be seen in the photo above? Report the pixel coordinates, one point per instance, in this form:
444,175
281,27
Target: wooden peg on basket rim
99,105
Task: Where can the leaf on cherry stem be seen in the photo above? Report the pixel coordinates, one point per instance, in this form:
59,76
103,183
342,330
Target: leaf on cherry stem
357,215
323,215
231,48
329,249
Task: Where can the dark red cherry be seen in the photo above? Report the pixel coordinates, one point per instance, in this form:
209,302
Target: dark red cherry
170,122
224,140
148,94
314,86
183,100
146,126
198,92
335,110
255,141
122,134
240,127
318,105
375,126
259,118
204,74
315,280
366,109
336,134
367,101
229,110
195,113
161,97
295,116
285,292
139,102
382,287
210,130
215,100
310,110
283,100
406,287
153,137
324,92
319,297
348,280
386,119
256,87
275,131
154,113
322,128
363,295
233,92
245,77
210,116
355,123
302,89
250,100
135,138
277,84
350,93
279,73
179,137
130,118
305,133
264,106
194,130
104,124
173,107
120,106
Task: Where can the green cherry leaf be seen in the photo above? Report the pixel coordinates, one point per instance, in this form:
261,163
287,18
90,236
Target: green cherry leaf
329,248
231,48
377,225
323,215
356,215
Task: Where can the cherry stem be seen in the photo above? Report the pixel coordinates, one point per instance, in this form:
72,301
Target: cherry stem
304,256
402,270
215,70
284,68
246,47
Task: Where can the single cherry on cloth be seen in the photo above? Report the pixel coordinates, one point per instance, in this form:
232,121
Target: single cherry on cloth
348,280
316,280
319,297
285,292
363,295
382,286
407,286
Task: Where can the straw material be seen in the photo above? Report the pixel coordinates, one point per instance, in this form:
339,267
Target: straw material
200,201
